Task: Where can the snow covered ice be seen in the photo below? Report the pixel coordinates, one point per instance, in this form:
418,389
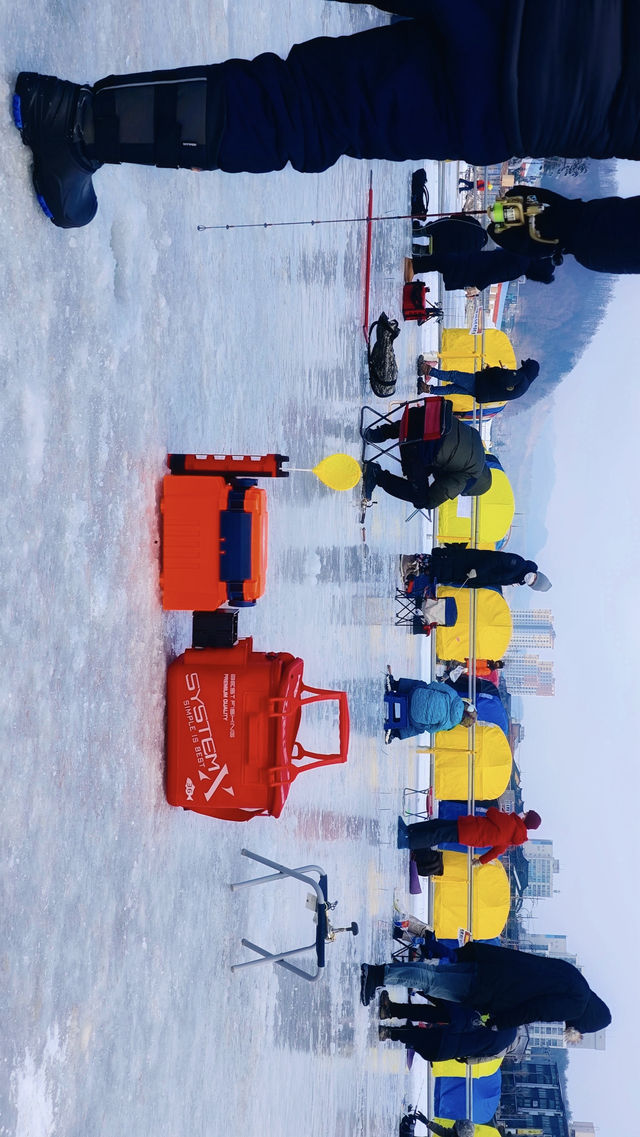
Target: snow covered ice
133,337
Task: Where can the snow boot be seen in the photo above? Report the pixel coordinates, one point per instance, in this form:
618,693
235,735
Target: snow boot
384,1008
50,115
171,119
371,977
403,834
369,479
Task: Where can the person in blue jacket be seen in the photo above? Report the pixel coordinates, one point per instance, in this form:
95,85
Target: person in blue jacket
539,78
431,707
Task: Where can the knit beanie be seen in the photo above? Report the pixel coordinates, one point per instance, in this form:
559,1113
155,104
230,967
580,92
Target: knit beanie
532,819
541,583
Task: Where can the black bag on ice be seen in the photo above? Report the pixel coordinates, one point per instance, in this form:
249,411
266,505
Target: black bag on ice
429,862
383,367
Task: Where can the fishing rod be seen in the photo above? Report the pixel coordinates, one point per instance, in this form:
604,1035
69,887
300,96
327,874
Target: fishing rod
342,220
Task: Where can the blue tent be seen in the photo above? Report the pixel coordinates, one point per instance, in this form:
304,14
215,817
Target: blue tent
450,1098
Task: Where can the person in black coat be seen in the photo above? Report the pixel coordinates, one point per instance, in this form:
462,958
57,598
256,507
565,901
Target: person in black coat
453,565
456,461
479,270
511,987
454,1032
546,79
490,385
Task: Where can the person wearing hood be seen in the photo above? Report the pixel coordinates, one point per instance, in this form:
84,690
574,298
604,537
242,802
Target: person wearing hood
511,987
352,95
490,385
431,707
498,830
456,565
456,461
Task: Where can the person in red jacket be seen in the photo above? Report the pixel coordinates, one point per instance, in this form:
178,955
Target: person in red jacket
496,829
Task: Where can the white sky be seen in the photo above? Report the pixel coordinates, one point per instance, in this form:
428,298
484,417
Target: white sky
581,757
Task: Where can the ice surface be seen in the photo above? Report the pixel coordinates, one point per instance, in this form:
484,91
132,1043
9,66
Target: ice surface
135,336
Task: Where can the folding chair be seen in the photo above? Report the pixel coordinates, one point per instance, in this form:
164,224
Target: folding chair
422,423
405,608
426,812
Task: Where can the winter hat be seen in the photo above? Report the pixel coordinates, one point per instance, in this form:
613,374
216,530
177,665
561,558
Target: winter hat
596,1016
541,583
530,368
532,819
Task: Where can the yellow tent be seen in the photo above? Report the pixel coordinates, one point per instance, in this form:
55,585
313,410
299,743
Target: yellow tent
464,352
478,1130
493,625
491,518
492,768
454,1069
490,898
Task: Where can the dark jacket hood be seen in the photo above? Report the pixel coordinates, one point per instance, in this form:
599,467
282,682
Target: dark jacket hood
596,1016
481,484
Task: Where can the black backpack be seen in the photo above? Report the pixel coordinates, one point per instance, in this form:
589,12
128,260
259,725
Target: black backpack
429,862
383,367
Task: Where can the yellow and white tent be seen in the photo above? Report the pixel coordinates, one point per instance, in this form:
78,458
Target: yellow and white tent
494,625
492,766
486,518
490,898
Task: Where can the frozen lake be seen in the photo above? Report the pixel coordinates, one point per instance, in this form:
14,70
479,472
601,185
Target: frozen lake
120,342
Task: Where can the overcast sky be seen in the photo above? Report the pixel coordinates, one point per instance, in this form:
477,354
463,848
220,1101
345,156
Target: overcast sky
581,755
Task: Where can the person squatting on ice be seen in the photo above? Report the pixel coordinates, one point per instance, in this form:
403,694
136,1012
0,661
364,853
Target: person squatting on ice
496,829
431,707
511,987
489,385
456,461
453,1032
547,79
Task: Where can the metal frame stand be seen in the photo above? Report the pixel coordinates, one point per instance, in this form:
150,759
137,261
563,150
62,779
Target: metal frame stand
322,905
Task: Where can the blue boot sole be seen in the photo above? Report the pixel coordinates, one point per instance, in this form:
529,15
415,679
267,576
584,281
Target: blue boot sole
17,113
17,118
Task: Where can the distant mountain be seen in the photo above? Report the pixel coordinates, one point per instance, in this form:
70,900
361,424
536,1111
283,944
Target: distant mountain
554,324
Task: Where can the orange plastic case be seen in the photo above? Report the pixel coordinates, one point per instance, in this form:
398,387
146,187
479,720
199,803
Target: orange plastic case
214,543
232,720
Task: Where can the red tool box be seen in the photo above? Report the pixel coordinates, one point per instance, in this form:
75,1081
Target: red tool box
232,722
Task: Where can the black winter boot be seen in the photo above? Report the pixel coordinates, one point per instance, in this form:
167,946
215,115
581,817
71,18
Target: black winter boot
371,977
154,118
51,115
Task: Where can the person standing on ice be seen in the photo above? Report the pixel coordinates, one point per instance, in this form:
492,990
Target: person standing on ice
496,829
511,987
489,385
545,79
452,1033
